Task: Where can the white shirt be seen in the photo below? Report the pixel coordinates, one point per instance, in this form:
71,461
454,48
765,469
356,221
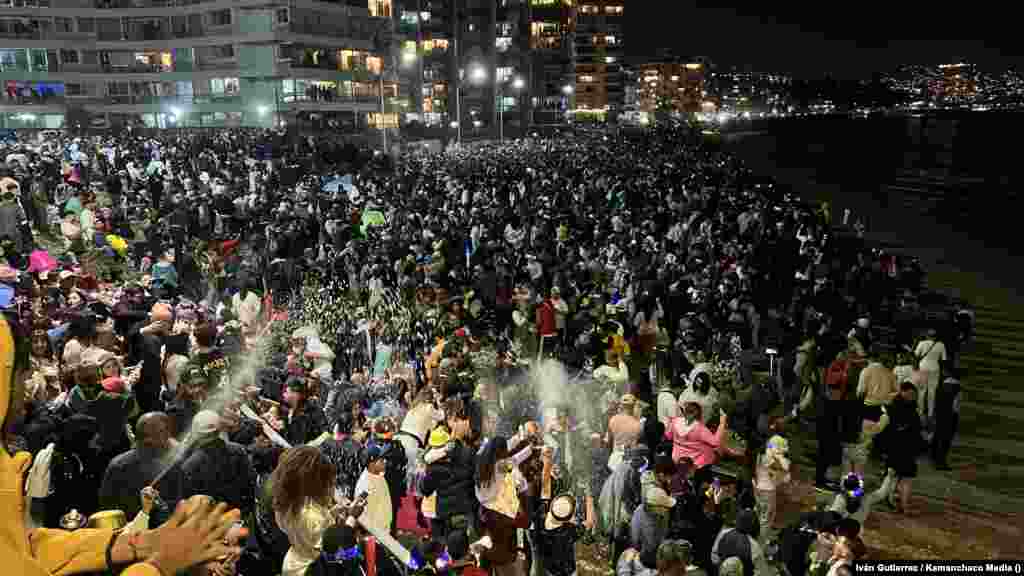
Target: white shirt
668,407
378,502
419,421
616,376
932,354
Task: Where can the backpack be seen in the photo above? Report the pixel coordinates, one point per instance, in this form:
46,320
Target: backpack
837,378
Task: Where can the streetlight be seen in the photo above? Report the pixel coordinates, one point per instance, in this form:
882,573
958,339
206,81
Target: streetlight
517,84
567,89
478,75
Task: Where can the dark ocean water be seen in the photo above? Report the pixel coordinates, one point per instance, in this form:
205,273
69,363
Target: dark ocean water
946,187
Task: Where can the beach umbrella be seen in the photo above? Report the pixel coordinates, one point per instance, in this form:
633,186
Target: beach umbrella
6,296
73,205
333,186
41,261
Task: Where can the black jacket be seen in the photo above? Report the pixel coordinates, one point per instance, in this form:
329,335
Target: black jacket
452,479
132,471
305,426
557,547
147,349
221,470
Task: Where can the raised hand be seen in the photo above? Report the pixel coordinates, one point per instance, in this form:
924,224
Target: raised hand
195,534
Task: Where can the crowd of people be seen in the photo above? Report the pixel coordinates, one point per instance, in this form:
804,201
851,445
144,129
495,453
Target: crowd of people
464,361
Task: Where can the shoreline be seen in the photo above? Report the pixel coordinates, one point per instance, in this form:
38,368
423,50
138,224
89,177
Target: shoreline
962,260
742,125
953,216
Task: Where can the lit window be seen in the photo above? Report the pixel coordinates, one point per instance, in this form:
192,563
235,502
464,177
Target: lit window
409,18
374,64
586,78
502,43
223,86
610,39
609,59
425,16
613,9
380,8
378,120
675,78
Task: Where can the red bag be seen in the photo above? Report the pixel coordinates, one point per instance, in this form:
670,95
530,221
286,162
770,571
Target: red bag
837,378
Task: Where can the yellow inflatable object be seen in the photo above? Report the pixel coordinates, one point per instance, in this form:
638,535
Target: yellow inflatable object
117,243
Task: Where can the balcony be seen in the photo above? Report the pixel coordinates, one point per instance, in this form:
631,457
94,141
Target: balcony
124,4
10,97
329,98
146,99
20,32
137,34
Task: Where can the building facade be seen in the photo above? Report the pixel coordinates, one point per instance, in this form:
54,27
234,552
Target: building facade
957,83
470,58
600,85
553,59
675,86
185,63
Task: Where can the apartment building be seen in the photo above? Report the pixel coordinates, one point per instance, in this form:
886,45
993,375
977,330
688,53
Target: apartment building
194,63
468,58
553,59
676,86
600,85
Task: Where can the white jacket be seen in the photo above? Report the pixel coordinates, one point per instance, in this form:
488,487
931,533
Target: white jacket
37,483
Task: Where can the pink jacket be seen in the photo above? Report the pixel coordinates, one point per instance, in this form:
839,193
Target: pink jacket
698,443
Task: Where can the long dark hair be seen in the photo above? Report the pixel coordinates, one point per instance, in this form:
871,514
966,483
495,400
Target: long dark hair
494,451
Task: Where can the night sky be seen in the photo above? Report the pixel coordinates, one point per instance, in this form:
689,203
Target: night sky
845,39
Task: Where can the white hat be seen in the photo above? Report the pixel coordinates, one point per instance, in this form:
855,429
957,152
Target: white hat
560,512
